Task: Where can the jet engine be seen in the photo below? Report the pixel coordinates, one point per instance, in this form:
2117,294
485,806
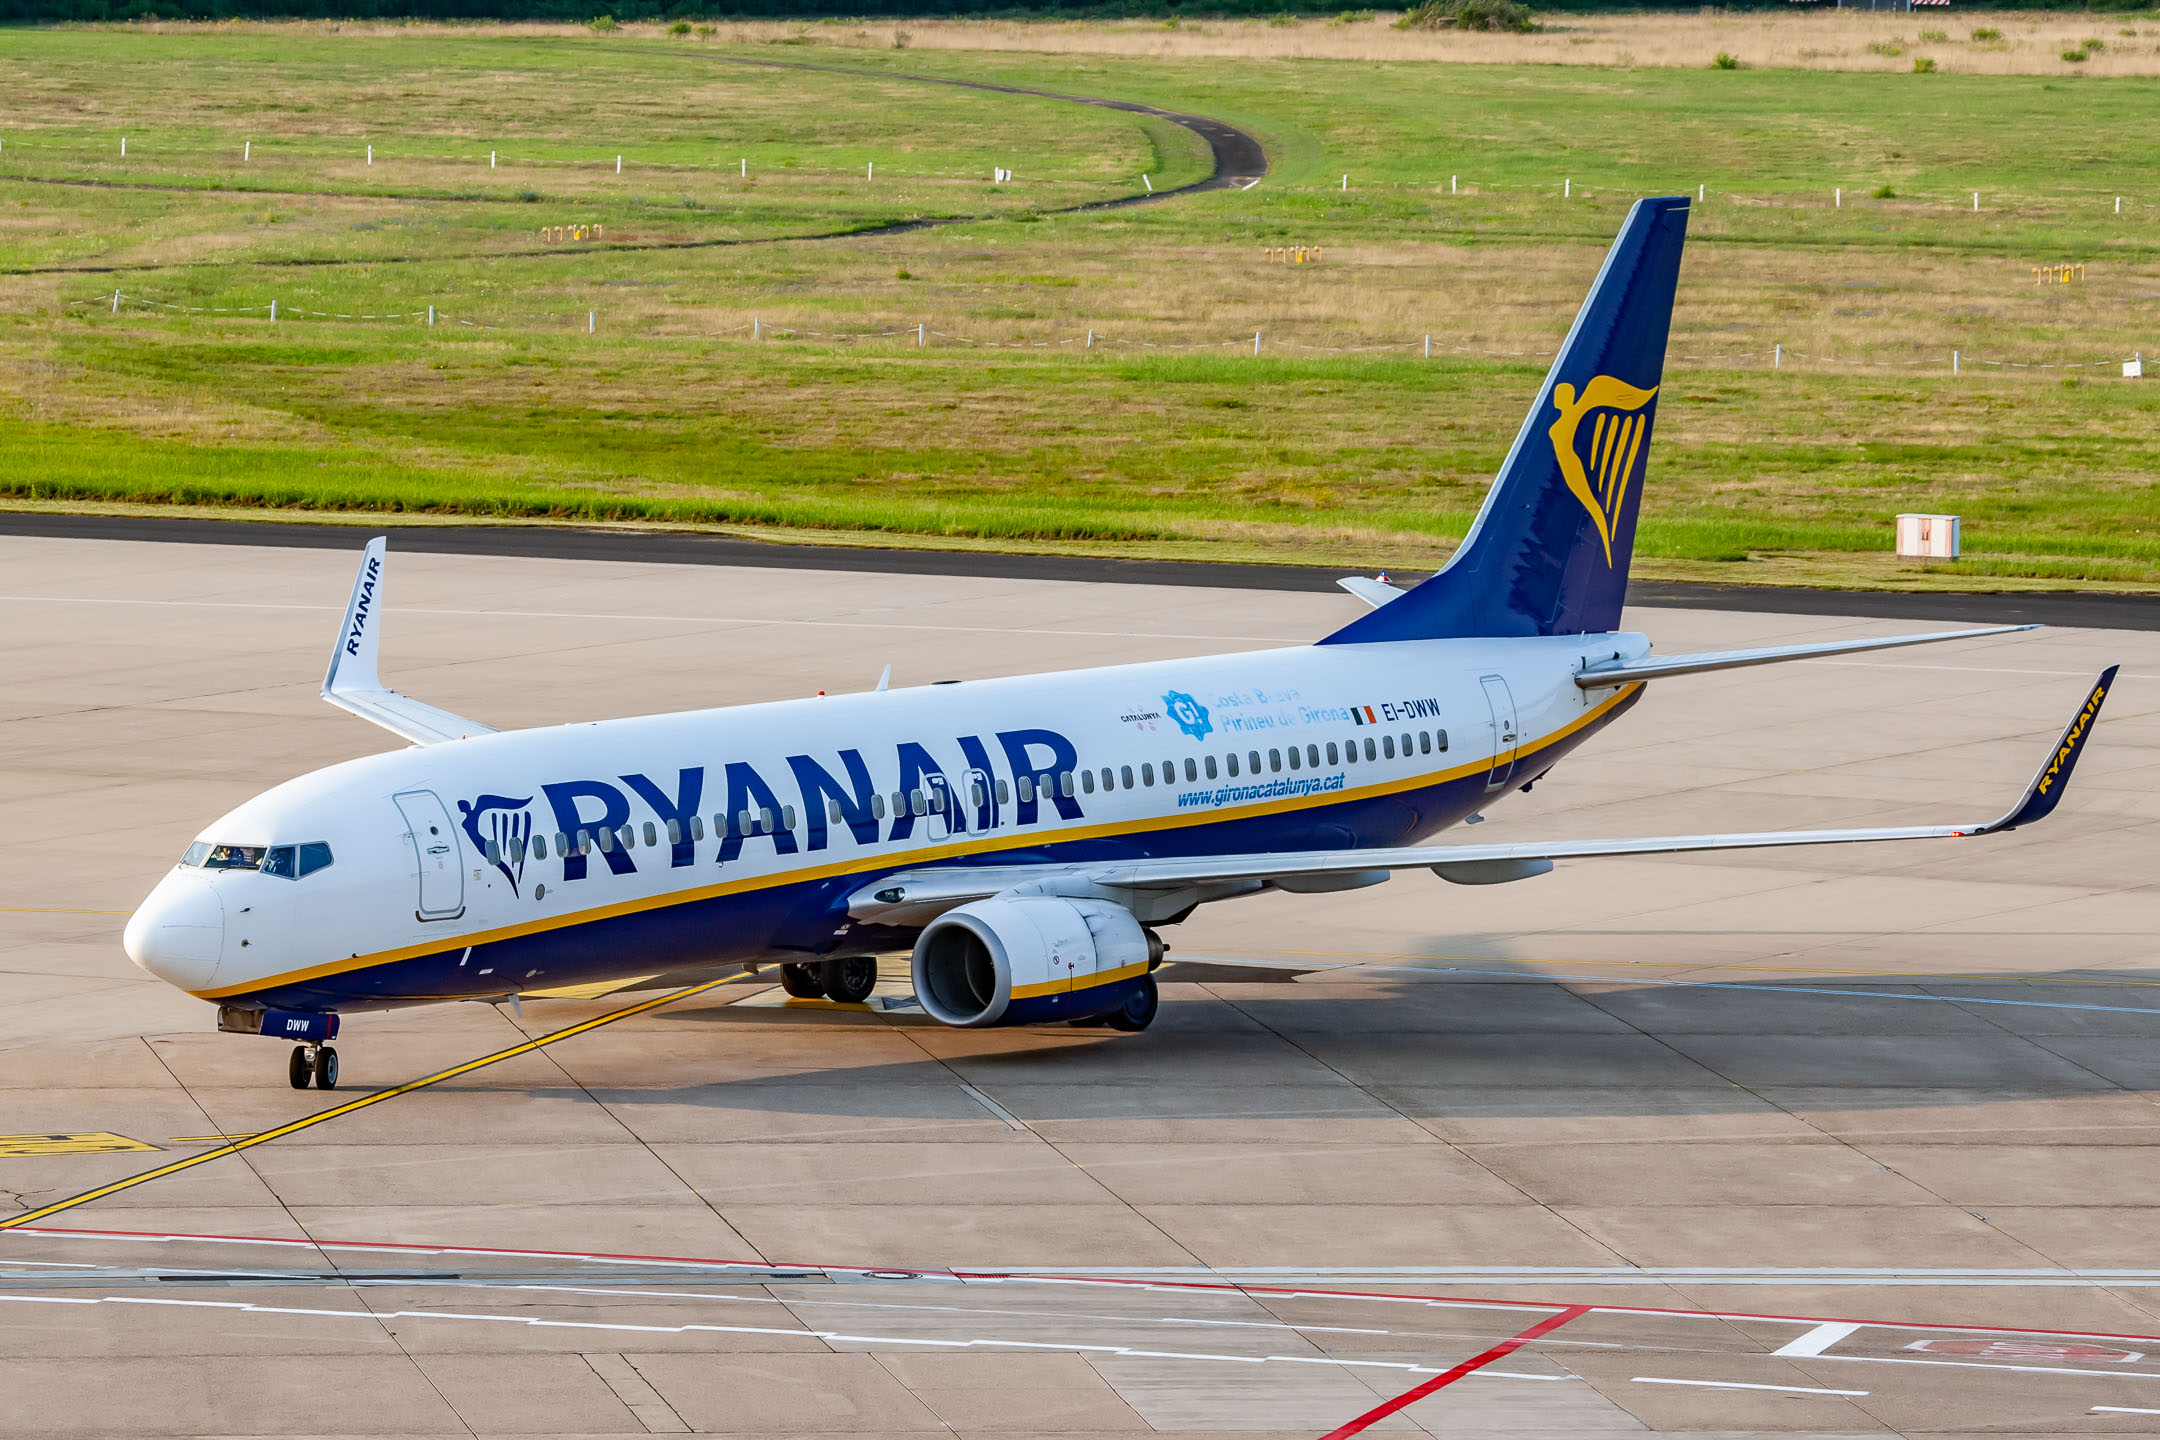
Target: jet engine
1027,959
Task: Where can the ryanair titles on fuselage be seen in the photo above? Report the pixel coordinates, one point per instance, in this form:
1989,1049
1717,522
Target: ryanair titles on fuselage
582,809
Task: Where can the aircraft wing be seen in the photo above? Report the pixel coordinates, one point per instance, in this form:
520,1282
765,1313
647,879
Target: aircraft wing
352,684
1656,667
917,896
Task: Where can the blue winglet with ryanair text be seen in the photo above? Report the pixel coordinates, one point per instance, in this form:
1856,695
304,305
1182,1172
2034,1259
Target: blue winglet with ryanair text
2048,786
1548,553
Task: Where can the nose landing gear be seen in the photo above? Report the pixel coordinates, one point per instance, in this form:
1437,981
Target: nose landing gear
313,1062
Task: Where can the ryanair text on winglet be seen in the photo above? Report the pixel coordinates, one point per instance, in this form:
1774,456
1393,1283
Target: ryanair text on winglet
362,605
2073,738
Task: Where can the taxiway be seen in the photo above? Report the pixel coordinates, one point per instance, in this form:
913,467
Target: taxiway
1853,1143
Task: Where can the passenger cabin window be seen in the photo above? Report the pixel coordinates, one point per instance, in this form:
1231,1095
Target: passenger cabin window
1440,741
877,807
1087,781
1295,759
1147,774
1126,772
1005,795
1211,767
653,839
787,817
1387,746
1371,753
1232,761
1332,757
1274,760
1109,781
1252,757
1424,742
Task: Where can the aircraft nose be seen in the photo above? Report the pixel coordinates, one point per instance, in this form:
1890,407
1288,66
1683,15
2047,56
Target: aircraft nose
178,933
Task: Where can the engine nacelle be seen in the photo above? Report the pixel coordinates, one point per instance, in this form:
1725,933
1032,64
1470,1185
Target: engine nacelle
1028,959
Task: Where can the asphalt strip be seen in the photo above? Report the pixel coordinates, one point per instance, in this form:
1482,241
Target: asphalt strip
2098,611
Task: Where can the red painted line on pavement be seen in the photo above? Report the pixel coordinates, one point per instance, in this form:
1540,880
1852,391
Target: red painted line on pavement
1468,1367
1213,1286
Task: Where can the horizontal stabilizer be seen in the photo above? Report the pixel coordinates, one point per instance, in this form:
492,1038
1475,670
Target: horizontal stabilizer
1657,667
913,897
1373,592
352,683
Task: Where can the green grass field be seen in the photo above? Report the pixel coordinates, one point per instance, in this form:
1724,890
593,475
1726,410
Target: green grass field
1005,428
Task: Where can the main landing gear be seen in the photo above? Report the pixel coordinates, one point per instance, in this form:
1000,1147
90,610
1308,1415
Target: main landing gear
313,1062
1138,1011
848,980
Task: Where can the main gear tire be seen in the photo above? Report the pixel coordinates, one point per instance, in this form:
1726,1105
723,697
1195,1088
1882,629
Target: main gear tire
1138,1011
849,979
802,981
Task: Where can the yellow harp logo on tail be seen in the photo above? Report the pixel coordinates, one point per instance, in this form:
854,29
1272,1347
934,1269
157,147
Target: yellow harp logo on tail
1599,472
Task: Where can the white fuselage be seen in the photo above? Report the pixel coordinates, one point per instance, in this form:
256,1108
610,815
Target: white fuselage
478,867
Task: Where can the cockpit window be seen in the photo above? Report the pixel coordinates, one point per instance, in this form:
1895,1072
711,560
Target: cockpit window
234,857
287,862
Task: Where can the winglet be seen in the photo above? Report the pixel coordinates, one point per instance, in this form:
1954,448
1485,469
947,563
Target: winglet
352,663
354,684
2048,786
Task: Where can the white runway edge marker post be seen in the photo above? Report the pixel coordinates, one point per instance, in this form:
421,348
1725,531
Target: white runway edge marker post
1149,183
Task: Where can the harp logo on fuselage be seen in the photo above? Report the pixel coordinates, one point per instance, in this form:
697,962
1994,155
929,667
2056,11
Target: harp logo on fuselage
1598,460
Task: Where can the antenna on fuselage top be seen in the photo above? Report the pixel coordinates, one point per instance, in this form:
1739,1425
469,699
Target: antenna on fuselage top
884,681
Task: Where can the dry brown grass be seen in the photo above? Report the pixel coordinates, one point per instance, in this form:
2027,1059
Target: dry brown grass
2032,42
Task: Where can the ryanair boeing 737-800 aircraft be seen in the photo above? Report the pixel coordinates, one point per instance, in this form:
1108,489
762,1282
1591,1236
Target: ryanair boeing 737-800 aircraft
1025,837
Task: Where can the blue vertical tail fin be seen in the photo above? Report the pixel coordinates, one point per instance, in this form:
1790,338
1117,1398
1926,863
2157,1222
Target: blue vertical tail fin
1548,553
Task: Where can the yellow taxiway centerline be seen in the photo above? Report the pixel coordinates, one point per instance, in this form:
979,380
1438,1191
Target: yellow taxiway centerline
249,1141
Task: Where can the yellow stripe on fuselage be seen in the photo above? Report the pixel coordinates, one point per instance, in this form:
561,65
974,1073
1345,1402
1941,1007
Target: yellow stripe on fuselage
1002,840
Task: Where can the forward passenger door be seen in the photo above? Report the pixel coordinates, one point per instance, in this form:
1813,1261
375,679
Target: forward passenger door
435,847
